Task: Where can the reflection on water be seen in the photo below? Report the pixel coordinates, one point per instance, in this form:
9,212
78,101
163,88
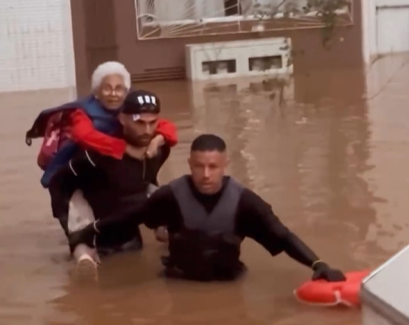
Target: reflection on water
331,165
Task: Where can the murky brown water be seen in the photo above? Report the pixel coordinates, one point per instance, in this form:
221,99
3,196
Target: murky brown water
333,166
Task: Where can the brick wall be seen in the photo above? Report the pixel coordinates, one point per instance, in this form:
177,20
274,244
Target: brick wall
36,47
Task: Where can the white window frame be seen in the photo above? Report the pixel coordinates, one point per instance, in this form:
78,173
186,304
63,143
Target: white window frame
227,19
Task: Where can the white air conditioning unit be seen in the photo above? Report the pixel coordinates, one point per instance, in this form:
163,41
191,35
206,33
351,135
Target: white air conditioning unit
238,58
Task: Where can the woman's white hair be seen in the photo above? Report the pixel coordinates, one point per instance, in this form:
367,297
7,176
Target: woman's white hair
110,68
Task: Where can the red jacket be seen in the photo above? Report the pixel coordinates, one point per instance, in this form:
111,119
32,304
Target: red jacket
82,131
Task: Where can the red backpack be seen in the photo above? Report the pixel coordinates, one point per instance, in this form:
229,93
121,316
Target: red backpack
56,132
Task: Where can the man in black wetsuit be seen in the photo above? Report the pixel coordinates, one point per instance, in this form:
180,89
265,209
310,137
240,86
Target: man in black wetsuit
208,215
110,186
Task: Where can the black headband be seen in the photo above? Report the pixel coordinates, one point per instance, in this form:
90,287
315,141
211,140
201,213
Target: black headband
139,102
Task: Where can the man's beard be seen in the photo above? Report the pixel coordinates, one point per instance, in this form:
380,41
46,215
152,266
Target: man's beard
138,141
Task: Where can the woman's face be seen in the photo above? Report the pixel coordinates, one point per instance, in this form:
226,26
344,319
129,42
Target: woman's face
112,92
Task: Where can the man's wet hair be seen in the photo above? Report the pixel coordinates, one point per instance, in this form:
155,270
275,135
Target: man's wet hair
208,142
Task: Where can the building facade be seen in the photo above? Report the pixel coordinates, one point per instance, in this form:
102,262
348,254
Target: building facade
385,28
151,42
149,36
36,45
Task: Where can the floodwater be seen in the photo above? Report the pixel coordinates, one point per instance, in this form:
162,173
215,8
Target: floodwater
332,164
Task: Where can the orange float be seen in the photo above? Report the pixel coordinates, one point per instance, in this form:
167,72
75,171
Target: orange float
324,293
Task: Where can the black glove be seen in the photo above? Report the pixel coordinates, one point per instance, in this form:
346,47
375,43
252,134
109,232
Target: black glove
84,236
323,272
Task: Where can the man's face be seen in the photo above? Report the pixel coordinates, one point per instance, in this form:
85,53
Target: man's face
112,91
207,170
139,130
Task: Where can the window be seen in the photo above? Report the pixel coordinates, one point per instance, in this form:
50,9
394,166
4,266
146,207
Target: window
266,63
219,67
185,18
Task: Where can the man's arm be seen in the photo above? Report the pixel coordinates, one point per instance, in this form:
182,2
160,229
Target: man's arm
155,212
152,174
258,221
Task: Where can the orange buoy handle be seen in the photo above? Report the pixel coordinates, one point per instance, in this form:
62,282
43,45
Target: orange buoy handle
323,293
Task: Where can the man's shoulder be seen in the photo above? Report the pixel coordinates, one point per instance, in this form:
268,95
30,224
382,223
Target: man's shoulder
250,198
178,180
245,191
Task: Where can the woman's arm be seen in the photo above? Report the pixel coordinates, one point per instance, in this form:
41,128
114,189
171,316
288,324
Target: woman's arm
169,132
83,132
